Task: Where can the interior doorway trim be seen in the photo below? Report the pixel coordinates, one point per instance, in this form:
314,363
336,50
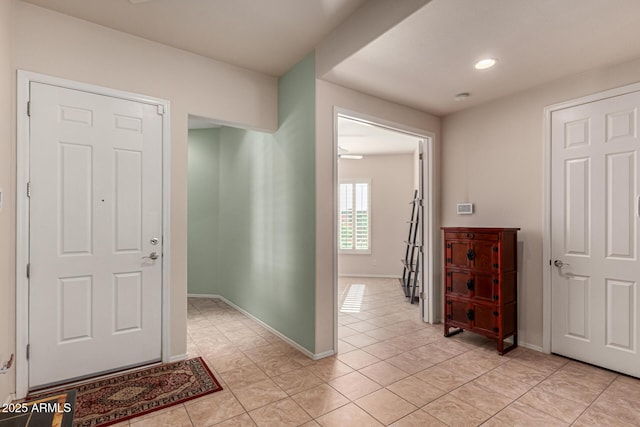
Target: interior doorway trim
546,211
22,211
430,260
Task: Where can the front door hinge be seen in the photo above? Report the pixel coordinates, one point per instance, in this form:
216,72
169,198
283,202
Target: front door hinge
28,271
28,189
161,109
29,108
420,156
28,351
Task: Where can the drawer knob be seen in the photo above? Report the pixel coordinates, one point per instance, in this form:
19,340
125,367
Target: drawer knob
470,314
449,288
470,284
470,255
470,236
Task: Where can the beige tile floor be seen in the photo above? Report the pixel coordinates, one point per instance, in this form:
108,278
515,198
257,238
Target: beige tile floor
391,369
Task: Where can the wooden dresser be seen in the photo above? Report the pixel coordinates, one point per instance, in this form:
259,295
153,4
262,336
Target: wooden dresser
480,283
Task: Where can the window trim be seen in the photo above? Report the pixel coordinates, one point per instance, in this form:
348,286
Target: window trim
355,181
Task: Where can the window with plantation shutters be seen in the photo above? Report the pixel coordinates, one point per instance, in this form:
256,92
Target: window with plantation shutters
354,231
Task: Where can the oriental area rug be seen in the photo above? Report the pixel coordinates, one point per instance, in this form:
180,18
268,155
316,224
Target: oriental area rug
118,398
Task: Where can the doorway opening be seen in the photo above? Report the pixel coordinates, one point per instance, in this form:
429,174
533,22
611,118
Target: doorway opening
248,232
380,167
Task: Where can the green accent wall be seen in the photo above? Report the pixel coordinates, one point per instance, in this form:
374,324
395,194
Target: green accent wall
265,211
203,211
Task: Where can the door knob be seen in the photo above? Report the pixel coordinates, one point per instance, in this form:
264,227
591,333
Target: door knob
152,255
559,263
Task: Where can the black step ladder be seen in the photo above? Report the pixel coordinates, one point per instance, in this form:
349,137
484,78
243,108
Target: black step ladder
411,260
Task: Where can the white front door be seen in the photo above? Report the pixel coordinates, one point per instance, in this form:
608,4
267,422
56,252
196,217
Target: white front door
594,233
95,210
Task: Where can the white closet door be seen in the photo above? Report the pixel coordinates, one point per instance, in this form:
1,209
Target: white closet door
595,185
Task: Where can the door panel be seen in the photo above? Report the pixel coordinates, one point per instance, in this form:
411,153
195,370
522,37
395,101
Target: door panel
577,308
577,211
128,201
485,319
75,324
457,310
594,232
484,256
484,287
457,255
75,192
621,171
96,202
621,325
457,282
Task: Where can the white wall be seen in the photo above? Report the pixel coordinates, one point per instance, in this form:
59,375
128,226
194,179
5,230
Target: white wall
493,156
391,191
51,43
328,96
7,184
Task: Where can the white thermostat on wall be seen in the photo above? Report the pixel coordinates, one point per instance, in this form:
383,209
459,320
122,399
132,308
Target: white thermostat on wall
465,208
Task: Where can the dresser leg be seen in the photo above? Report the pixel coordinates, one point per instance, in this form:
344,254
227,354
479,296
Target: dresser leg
448,332
502,350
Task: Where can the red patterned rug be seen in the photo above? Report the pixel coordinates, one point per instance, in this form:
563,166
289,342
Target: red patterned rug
119,398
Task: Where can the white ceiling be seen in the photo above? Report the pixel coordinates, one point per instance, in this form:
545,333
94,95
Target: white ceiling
269,36
422,62
427,59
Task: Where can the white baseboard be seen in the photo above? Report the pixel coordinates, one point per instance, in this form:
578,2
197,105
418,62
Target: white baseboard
280,335
372,276
531,346
324,354
204,296
9,399
178,358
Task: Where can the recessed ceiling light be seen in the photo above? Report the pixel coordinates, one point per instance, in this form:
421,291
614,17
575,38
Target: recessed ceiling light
483,64
351,156
462,96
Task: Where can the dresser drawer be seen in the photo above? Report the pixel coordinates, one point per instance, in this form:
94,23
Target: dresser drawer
472,285
486,319
457,313
465,314
473,254
471,235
